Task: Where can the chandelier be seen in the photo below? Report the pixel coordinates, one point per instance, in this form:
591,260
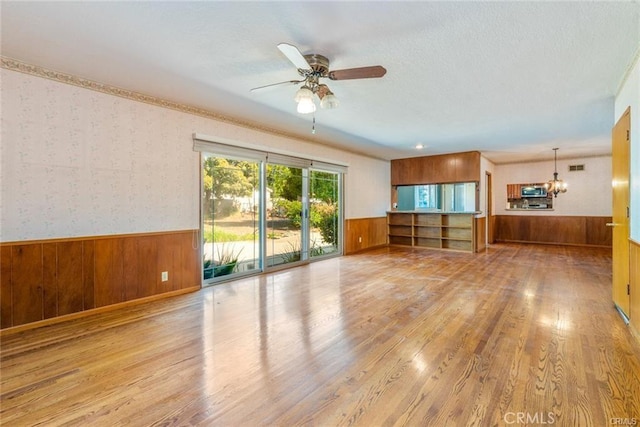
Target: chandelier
556,185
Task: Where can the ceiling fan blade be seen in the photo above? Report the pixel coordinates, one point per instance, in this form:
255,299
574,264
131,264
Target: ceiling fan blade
293,54
372,72
277,84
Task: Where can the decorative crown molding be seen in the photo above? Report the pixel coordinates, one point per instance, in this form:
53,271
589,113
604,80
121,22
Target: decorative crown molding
34,70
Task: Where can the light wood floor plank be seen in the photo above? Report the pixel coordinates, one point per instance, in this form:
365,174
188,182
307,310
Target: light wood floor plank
391,337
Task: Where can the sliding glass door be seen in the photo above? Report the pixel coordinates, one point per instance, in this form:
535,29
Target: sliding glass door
287,221
324,213
230,217
259,214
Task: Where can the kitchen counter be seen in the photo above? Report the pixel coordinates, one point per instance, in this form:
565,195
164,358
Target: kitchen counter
424,211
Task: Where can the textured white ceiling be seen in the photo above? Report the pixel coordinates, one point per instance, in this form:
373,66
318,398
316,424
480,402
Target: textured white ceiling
511,79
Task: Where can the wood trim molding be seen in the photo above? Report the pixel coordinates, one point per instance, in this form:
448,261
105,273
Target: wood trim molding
99,237
634,283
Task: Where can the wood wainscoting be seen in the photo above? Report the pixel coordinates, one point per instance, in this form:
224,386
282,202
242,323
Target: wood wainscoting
364,233
46,279
561,230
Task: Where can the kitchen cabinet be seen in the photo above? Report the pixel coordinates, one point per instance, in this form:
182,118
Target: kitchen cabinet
408,171
468,166
514,191
440,169
453,231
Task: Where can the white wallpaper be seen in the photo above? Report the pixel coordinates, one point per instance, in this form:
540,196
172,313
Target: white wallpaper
588,194
76,162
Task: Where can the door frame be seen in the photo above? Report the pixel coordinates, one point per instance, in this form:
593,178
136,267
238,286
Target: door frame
620,175
489,209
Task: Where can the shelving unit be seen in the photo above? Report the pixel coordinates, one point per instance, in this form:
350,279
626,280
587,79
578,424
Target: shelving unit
400,229
427,231
455,231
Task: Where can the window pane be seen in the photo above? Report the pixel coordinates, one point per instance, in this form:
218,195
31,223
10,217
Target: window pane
427,196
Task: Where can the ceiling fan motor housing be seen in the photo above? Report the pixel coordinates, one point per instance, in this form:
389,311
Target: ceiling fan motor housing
319,64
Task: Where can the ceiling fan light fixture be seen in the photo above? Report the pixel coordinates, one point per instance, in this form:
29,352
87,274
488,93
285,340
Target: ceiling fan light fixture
306,106
312,67
304,93
329,101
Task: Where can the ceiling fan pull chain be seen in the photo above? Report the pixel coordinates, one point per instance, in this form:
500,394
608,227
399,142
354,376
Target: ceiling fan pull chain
313,127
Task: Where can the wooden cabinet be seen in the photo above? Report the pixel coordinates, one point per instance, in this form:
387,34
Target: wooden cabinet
514,191
445,168
432,230
408,171
468,166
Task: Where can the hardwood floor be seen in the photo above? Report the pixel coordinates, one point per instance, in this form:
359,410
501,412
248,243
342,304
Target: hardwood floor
516,335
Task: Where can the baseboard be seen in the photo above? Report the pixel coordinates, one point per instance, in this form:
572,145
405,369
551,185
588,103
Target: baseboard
367,249
622,314
584,245
93,311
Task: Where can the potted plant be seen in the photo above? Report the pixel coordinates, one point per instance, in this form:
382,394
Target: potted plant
207,268
225,261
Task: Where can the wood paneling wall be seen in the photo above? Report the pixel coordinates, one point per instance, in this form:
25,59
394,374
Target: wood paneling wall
564,230
634,283
45,279
364,233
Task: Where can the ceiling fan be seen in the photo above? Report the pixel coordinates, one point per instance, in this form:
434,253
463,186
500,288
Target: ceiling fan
312,68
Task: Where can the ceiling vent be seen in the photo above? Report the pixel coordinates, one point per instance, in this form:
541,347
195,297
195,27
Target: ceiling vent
576,168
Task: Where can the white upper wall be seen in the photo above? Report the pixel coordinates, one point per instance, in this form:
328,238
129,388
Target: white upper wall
76,162
589,192
629,96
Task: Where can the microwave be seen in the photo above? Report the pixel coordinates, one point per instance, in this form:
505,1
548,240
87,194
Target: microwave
533,191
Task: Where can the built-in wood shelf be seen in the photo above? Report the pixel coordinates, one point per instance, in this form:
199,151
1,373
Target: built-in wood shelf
454,231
